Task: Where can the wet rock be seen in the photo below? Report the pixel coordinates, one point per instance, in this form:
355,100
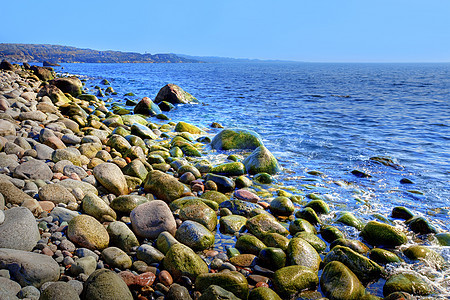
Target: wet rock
249,244
87,232
121,236
71,85
263,293
215,292
231,281
126,203
199,212
380,234
181,260
282,206
59,290
177,292
420,225
194,235
19,229
143,131
292,279
331,233
261,161
174,94
272,258
443,238
105,284
186,127
232,224
35,269
313,240
262,224
300,252
309,215
349,219
151,218
163,186
224,184
319,206
355,245
339,283
383,257
410,283
365,269
300,225
424,253
111,177
229,169
236,139
147,107
400,212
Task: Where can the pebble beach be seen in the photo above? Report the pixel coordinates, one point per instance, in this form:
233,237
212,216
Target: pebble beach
98,201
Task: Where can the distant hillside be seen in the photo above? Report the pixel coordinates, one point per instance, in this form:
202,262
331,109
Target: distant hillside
218,59
66,54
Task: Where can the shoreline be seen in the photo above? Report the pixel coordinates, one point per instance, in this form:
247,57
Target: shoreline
170,154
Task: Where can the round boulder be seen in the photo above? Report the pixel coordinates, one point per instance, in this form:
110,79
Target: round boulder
150,219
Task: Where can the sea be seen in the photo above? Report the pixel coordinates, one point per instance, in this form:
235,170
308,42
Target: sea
328,117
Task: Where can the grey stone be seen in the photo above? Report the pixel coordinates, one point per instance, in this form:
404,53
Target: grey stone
56,193
63,214
59,290
152,218
149,254
33,169
19,230
29,268
29,292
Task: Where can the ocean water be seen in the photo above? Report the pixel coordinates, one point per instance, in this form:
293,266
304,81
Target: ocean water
327,117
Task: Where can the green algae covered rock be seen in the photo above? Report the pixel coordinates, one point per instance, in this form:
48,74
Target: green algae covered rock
232,224
214,196
312,239
232,281
339,283
292,279
163,186
410,283
282,206
201,213
236,139
249,244
181,260
263,293
195,235
300,252
186,127
87,232
174,94
365,269
261,161
229,169
105,284
380,234
272,258
383,257
262,224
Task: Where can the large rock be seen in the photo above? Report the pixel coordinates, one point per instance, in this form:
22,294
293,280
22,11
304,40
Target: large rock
94,206
43,73
111,177
261,161
7,128
380,234
29,268
55,94
12,194
56,193
19,230
104,284
181,260
172,93
147,107
236,139
339,283
121,236
33,169
151,218
199,212
87,232
300,252
163,186
195,235
71,85
186,127
59,290
293,279
411,283
365,269
262,224
232,281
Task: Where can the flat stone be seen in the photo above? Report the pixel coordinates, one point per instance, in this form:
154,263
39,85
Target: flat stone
56,193
19,230
33,169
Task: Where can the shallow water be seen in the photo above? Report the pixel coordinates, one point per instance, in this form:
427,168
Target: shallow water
326,117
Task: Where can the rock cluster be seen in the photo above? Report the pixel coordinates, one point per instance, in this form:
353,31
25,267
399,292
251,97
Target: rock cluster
99,203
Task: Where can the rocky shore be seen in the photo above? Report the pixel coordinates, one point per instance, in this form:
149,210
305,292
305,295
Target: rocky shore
100,201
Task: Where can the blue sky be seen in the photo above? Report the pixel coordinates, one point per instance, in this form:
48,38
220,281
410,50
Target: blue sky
302,30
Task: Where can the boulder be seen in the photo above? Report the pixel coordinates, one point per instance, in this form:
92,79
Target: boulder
236,139
19,230
232,224
33,169
59,290
194,235
249,244
232,281
172,93
147,107
71,85
111,177
339,283
262,224
261,161
300,252
380,234
181,260
121,236
186,127
163,186
87,232
229,169
43,73
105,284
411,283
150,219
199,212
292,279
215,292
29,268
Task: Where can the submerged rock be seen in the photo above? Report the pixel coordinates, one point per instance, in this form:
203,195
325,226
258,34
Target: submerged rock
380,234
172,93
411,283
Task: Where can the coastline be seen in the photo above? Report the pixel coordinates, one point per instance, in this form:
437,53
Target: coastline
95,125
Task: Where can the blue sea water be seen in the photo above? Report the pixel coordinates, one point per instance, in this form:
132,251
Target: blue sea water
327,117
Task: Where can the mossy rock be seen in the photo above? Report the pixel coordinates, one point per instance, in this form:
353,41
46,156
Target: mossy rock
236,139
383,257
424,253
261,160
232,281
201,213
106,284
249,244
330,233
309,215
292,279
262,224
195,235
272,258
232,224
275,240
181,202
186,127
214,196
380,234
355,245
299,225
300,252
410,283
126,203
339,283
263,293
365,269
347,218
181,260
164,186
319,206
229,169
312,239
282,206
